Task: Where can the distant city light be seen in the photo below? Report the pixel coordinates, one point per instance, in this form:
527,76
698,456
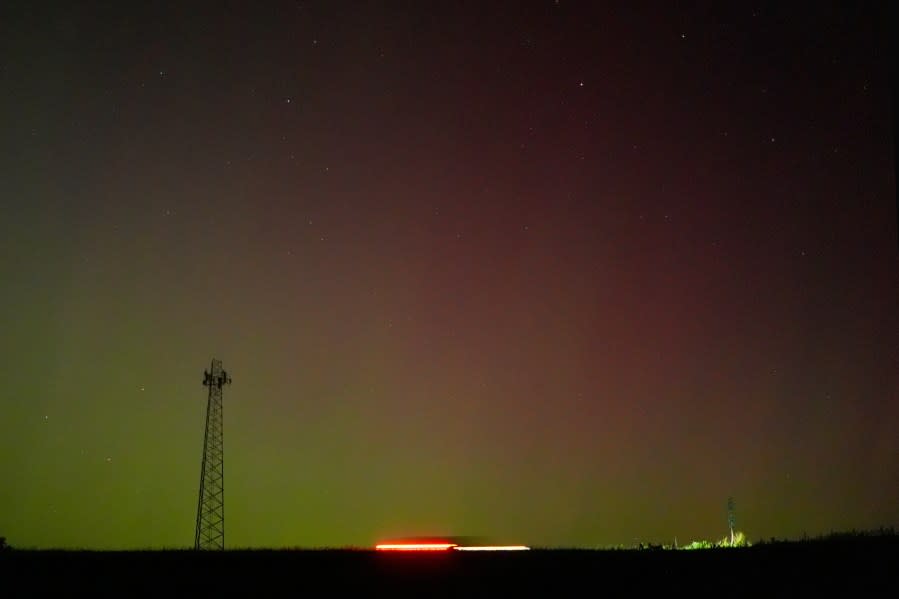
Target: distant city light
493,548
415,546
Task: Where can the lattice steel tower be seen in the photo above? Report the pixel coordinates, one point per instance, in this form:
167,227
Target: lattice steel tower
210,533
731,518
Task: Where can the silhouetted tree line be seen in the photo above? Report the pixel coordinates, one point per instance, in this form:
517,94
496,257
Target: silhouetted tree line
846,535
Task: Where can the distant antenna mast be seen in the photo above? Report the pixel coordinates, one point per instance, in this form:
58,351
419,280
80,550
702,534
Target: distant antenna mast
731,518
210,532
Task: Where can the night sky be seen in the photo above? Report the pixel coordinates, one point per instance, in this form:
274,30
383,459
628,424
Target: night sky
555,273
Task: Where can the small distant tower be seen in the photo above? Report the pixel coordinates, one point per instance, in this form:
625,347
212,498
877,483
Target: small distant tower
731,518
210,532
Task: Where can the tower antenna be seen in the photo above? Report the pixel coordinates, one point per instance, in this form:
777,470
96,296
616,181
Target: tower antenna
731,518
210,531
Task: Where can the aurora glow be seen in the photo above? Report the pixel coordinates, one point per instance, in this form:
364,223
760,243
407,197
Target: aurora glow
565,273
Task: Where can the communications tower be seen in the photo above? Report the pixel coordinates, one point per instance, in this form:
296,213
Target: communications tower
210,532
731,518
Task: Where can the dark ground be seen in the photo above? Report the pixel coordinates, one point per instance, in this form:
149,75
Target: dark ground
853,567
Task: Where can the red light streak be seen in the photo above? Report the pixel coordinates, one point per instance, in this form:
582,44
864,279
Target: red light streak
414,546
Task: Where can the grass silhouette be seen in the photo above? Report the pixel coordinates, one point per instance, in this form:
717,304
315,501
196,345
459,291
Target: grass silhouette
857,563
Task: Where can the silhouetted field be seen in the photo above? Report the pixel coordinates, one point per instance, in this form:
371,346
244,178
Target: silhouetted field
857,566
